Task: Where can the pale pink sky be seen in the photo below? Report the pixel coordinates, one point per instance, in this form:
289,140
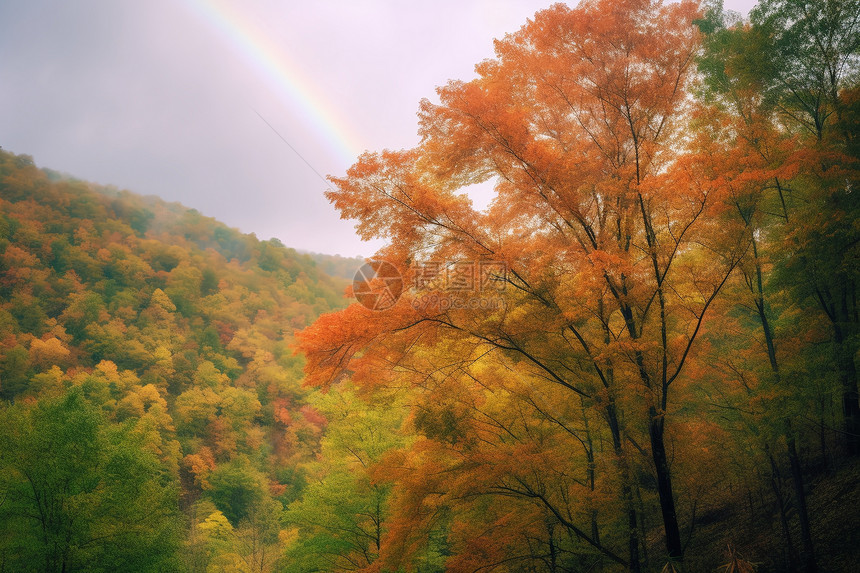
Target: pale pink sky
157,98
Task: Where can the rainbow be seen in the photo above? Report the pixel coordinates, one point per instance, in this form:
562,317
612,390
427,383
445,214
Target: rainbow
276,67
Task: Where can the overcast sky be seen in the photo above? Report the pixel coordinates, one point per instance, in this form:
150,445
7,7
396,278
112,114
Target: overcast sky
171,97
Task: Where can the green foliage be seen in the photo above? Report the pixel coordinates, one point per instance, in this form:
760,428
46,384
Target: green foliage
236,488
14,367
340,516
82,493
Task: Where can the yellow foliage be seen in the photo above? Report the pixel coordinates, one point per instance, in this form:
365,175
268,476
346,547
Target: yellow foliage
48,352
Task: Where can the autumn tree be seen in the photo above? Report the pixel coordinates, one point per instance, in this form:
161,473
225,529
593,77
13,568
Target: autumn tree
781,89
604,219
785,87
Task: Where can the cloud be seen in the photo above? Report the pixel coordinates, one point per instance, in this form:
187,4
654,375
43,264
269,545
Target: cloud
150,96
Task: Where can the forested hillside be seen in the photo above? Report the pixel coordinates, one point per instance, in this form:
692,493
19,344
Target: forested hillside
153,413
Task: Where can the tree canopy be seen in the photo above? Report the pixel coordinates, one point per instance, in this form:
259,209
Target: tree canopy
641,356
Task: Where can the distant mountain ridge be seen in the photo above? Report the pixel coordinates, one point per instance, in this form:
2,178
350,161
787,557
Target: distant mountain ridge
337,266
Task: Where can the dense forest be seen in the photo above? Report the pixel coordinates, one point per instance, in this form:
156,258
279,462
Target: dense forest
642,356
154,416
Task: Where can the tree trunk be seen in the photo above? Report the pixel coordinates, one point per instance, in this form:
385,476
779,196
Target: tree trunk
783,518
664,486
807,554
590,475
850,402
553,554
626,490
644,527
